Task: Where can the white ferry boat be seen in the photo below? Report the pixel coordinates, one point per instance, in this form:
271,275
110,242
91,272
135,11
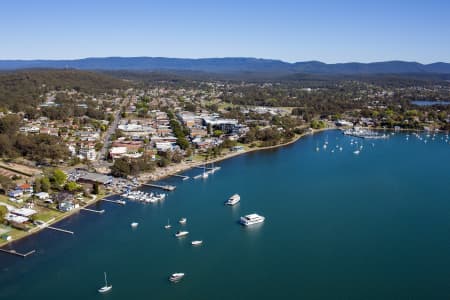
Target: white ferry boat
251,219
233,200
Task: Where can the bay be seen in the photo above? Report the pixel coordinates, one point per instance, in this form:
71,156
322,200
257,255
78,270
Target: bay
338,226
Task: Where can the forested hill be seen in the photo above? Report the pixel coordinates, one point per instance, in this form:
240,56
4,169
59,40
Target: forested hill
22,89
228,65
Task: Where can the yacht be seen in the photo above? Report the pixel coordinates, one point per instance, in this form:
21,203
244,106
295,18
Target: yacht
181,233
233,200
106,287
205,174
175,277
251,219
356,152
196,243
182,221
134,224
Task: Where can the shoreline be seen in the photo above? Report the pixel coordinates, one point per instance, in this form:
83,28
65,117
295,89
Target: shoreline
56,220
169,171
174,169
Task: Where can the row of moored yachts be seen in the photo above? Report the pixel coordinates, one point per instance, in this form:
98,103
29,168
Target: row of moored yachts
143,196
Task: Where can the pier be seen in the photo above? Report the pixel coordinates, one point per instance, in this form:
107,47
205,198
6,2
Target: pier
181,176
164,187
60,229
14,252
115,201
198,167
93,210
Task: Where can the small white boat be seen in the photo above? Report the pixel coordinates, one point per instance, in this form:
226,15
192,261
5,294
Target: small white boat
233,200
134,224
356,152
106,287
168,226
182,221
196,243
181,233
175,277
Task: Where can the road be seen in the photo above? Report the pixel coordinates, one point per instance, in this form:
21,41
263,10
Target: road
111,130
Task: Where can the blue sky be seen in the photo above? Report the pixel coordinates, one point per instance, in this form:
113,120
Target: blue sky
330,31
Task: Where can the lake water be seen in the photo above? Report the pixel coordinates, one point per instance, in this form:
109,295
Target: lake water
429,102
338,226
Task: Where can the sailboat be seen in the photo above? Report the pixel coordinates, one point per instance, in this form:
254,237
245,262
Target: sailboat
205,174
168,226
105,288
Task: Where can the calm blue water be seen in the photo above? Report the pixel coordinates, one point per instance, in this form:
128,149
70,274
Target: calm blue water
429,102
338,226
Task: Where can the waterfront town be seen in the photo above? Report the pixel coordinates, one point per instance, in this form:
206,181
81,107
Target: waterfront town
68,148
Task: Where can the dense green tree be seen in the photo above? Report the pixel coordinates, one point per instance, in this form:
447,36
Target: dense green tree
59,177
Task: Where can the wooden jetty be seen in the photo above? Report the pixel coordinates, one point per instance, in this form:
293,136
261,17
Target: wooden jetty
93,210
115,201
14,252
60,229
164,187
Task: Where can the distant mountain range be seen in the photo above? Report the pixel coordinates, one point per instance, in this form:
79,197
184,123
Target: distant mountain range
228,65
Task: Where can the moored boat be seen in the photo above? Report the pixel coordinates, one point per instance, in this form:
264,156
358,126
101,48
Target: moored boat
106,287
167,226
181,233
251,219
233,200
175,277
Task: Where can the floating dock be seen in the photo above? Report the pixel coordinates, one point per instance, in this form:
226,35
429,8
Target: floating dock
14,252
93,210
164,187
